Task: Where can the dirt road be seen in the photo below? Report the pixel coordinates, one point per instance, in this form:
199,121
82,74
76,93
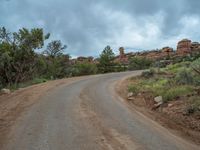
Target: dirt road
87,114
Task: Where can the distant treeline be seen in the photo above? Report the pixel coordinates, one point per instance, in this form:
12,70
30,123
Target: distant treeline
19,62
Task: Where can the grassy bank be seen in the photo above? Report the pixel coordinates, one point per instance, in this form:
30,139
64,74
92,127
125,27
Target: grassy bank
179,87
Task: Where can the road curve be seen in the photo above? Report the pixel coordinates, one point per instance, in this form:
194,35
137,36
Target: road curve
88,115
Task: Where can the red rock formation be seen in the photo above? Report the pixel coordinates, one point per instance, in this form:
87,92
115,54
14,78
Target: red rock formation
122,58
184,47
121,53
167,50
157,54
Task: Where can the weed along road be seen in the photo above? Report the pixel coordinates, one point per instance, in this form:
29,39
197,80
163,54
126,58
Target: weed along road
88,115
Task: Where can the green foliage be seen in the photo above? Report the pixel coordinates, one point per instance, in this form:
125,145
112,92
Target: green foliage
196,66
118,67
133,88
27,83
174,68
56,66
56,62
162,87
19,63
194,106
17,54
38,80
161,63
55,49
184,76
137,63
157,86
148,74
177,81
106,60
185,72
175,92
196,80
85,68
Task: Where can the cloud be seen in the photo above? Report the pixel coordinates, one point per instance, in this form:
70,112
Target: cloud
88,26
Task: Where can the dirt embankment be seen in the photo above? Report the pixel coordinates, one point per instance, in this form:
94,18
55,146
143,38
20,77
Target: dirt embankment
12,105
169,117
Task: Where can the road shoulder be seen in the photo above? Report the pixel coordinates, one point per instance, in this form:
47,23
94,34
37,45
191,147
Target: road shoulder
13,105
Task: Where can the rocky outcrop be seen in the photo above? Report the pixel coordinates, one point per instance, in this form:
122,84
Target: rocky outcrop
157,54
5,91
184,47
153,54
122,58
167,50
121,52
195,46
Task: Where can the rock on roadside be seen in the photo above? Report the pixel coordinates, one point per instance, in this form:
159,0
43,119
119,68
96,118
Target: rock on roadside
130,94
159,101
5,91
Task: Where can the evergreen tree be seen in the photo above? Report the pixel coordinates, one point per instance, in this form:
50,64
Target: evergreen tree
106,60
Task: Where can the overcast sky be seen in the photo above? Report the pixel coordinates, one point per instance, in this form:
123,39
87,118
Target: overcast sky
87,26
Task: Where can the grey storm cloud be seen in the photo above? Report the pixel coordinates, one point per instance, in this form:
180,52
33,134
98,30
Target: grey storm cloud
87,26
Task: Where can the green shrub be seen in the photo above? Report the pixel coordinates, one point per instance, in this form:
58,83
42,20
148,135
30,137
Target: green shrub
196,66
28,83
118,67
38,80
154,83
84,68
160,63
133,88
174,68
184,76
137,63
194,106
175,92
196,80
148,74
106,59
159,87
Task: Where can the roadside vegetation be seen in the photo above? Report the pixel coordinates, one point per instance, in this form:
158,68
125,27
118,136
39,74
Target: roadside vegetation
26,58
21,66
173,91
137,63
